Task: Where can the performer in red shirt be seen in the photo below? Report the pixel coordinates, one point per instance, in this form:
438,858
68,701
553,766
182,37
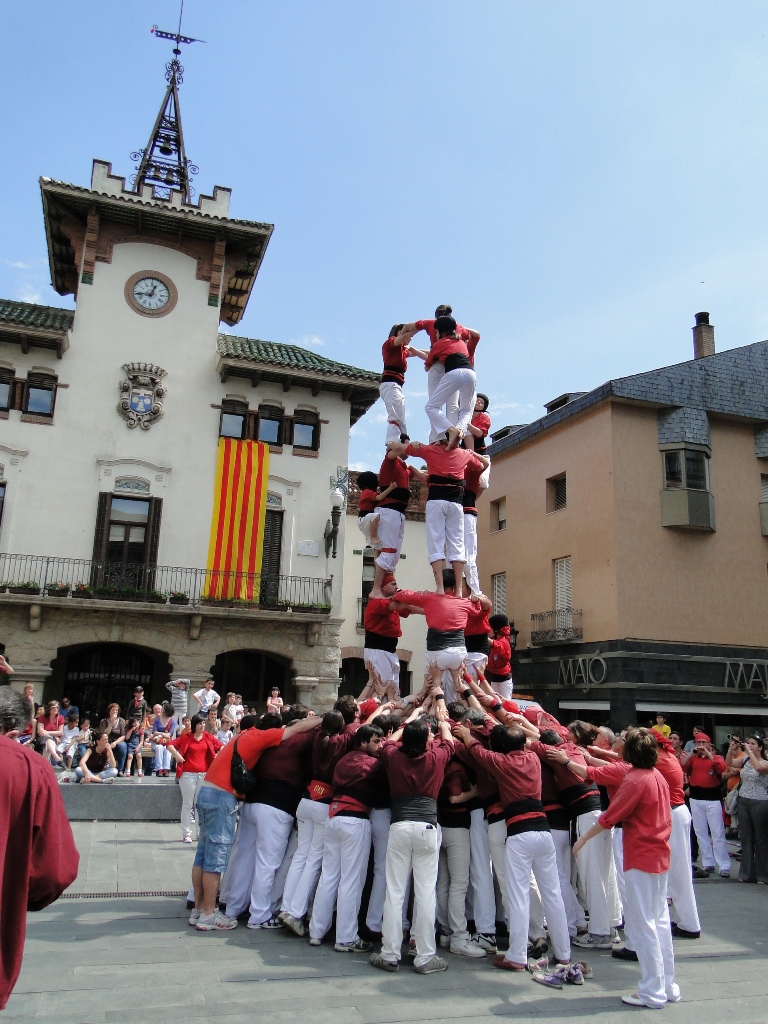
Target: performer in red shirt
499,671
394,481
473,485
395,352
435,369
38,856
479,425
382,631
459,379
641,804
476,633
703,768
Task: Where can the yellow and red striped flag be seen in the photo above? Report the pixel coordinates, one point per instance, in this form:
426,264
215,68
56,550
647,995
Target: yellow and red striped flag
237,522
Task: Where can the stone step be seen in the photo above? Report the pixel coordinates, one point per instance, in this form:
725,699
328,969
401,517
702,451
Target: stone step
134,799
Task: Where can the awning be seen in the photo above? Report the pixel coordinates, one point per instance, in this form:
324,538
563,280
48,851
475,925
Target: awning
662,707
587,705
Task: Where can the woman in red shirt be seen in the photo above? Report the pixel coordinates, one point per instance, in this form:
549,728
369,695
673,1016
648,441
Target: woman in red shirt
641,804
195,750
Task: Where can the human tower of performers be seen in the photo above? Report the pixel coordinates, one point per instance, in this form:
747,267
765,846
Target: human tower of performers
477,807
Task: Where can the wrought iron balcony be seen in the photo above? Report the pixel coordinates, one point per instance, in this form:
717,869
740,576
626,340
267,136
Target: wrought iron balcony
78,578
560,626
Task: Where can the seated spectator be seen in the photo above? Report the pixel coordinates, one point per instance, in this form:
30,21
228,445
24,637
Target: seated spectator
114,725
65,748
134,740
163,730
67,706
212,721
84,740
49,730
98,763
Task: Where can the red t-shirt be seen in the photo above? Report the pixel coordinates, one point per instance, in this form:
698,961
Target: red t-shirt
440,610
500,655
472,473
395,471
704,773
285,761
482,421
610,776
429,327
395,361
367,500
446,347
53,724
198,754
416,776
441,462
477,621
380,618
641,804
250,745
669,766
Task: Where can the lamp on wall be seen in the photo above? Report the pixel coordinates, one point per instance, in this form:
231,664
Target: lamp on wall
332,525
513,635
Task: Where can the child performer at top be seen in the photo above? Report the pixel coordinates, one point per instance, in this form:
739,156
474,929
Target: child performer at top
395,352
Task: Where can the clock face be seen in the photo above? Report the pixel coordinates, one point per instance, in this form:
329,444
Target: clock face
151,294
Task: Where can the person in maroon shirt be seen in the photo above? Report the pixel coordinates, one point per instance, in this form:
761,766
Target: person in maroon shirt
703,769
394,483
415,771
357,780
641,804
38,856
395,352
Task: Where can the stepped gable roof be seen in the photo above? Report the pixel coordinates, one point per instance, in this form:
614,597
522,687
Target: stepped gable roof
293,366
730,383
32,326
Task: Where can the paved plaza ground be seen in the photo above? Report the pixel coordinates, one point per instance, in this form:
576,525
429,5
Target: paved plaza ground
131,958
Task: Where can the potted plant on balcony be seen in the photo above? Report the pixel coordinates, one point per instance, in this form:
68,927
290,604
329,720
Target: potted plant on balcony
178,597
155,597
30,588
82,590
3,586
57,589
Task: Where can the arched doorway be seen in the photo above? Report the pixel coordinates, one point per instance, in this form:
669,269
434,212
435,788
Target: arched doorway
252,674
95,675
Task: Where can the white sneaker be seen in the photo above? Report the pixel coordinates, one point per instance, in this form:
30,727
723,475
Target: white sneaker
194,917
216,922
296,926
486,941
444,941
466,947
590,941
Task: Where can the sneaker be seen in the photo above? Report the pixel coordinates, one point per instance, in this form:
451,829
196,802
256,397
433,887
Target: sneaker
486,941
358,946
590,941
700,872
187,840
268,925
574,975
466,947
635,1000
542,964
622,953
377,960
553,979
216,922
682,933
586,971
318,942
432,966
194,917
105,782
294,924
725,874
538,948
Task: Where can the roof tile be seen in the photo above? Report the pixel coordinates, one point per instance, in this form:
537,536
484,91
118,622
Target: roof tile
27,314
289,357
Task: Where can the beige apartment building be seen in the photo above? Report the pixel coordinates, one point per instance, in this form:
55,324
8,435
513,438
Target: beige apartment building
626,533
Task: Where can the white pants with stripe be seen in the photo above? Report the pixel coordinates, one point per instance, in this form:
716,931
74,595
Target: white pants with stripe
345,863
394,402
470,551
300,885
391,533
461,384
534,853
680,879
707,817
445,531
647,928
435,374
413,846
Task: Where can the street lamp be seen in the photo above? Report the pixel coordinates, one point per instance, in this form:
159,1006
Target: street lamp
332,525
513,635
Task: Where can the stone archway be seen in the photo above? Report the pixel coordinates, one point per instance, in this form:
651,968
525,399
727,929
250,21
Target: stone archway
252,673
95,675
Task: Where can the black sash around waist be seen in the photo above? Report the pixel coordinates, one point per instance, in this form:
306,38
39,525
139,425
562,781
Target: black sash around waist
414,808
445,488
393,374
397,499
443,639
457,361
477,643
276,793
379,642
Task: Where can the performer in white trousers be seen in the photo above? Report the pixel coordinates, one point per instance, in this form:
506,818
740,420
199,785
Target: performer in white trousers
395,352
641,804
481,881
704,768
685,913
380,818
357,779
391,512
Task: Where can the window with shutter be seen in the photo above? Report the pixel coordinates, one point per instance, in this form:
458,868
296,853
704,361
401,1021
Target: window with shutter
563,597
499,593
6,388
764,486
556,493
2,502
270,425
234,419
306,430
499,514
39,394
102,521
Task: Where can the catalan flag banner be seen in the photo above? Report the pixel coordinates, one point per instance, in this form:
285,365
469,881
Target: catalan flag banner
237,523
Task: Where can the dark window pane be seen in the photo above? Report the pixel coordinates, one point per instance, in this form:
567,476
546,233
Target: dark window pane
5,393
673,470
2,501
231,424
40,400
304,435
695,471
269,430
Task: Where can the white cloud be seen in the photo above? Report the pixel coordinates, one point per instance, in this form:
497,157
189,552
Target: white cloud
28,293
309,340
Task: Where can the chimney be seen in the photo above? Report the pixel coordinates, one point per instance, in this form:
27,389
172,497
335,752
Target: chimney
703,337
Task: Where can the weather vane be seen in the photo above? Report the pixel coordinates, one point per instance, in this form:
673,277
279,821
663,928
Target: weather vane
163,162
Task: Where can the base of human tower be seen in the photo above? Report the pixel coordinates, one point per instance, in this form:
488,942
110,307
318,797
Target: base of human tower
134,799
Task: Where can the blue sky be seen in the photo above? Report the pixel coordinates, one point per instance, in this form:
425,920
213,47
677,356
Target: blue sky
577,179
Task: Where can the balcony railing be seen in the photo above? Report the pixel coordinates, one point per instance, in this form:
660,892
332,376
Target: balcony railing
76,578
556,627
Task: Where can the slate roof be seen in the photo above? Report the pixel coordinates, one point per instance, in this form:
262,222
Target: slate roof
26,315
731,383
290,357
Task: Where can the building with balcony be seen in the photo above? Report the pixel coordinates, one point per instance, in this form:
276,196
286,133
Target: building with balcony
170,495
625,533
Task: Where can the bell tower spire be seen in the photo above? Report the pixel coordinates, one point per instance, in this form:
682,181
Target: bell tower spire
163,162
